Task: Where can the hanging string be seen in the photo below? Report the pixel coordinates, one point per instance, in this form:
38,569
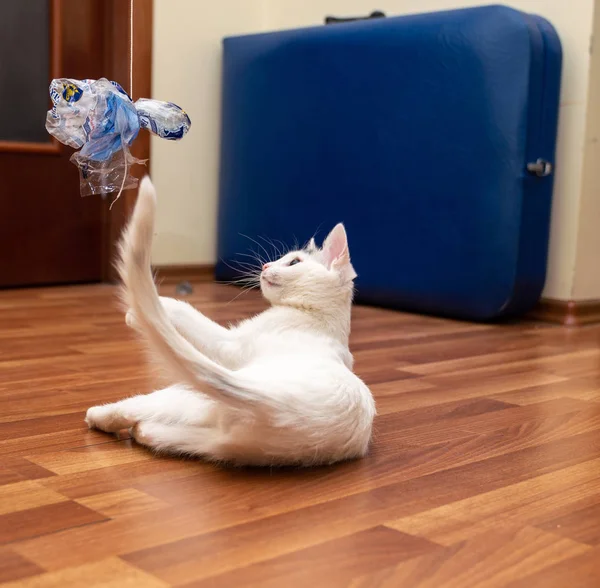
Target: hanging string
131,48
130,94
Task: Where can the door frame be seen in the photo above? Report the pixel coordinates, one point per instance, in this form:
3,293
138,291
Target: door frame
117,30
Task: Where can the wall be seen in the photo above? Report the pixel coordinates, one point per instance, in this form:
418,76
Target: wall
586,276
186,70
186,173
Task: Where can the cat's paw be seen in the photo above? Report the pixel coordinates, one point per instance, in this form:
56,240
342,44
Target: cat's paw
109,418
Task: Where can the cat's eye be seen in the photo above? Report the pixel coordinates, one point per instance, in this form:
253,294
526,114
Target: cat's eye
294,261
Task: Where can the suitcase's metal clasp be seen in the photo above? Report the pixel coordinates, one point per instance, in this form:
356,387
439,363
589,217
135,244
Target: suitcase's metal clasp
541,168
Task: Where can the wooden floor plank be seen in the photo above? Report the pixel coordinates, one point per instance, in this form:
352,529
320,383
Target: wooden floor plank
580,525
490,560
26,495
484,470
44,520
14,567
109,573
581,571
121,503
333,563
530,502
90,457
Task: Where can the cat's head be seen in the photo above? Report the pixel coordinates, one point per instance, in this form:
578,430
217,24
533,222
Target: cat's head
312,276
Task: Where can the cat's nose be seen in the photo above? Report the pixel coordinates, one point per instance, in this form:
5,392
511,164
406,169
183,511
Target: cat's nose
266,266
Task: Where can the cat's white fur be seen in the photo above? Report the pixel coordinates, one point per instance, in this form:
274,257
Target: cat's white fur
276,389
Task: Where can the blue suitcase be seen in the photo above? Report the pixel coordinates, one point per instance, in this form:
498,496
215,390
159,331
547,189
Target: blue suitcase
432,137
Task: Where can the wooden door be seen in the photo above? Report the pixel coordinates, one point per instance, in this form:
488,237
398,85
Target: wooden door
49,234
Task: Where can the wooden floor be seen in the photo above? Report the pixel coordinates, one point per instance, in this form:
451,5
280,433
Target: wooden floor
485,469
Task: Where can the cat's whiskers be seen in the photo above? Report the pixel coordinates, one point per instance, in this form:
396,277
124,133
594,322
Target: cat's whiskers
279,253
244,290
258,261
268,258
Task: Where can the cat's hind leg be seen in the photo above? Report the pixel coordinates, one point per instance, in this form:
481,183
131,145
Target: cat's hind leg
175,404
180,439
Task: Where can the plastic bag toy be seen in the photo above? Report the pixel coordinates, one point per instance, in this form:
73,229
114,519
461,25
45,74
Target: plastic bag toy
99,118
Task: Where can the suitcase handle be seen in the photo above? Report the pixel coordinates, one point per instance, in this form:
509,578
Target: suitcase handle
329,20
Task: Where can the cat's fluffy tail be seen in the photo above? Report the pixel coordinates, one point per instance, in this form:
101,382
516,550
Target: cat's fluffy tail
183,360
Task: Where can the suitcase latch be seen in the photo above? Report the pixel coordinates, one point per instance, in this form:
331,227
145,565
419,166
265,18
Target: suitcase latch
541,168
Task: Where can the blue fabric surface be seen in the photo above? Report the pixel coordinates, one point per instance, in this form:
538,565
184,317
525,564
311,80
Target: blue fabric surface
415,132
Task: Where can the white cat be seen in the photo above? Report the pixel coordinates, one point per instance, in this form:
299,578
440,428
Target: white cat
277,389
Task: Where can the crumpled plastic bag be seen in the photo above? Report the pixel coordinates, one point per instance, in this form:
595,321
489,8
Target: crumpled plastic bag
98,118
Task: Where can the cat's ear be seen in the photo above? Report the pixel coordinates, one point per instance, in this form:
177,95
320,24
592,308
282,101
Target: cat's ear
311,247
335,249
